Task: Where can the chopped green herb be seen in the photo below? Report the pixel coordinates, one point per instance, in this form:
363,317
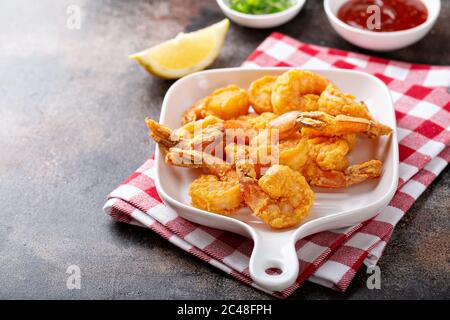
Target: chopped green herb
260,6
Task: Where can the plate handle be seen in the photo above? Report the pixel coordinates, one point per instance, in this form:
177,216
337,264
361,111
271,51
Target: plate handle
274,252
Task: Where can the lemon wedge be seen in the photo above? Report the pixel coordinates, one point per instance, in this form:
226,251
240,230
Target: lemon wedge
186,53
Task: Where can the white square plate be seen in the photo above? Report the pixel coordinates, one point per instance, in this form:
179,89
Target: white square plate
332,208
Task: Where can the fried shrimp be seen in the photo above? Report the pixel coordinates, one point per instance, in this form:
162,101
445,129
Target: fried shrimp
318,157
339,179
329,153
197,135
262,121
224,103
334,102
286,124
219,194
293,90
218,191
294,152
162,135
189,130
299,136
252,120
281,197
319,123
260,94
208,135
281,142
197,159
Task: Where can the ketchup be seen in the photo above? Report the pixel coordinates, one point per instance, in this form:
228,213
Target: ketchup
395,15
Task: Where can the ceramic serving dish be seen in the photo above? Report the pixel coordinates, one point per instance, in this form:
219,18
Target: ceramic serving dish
332,208
381,41
262,20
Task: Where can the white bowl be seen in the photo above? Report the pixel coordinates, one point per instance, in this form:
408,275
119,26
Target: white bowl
332,208
262,20
381,41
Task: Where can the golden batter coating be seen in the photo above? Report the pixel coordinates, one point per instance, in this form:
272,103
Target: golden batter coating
218,194
225,103
291,87
281,197
260,94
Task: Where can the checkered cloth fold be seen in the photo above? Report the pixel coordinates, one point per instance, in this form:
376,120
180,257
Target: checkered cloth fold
329,258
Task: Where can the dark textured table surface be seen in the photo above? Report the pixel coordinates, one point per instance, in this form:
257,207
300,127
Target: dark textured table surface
71,110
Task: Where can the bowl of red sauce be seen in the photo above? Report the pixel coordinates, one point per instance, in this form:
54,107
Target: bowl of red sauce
382,25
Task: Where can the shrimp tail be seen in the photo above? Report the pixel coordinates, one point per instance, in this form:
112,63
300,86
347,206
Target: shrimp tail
320,123
364,171
197,159
162,135
352,175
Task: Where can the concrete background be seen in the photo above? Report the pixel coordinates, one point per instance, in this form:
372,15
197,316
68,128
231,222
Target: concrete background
72,108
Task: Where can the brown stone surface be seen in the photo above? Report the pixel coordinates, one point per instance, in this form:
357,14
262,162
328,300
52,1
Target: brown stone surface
72,128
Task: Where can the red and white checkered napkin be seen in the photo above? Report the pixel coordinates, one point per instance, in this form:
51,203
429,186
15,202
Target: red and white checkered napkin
329,258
